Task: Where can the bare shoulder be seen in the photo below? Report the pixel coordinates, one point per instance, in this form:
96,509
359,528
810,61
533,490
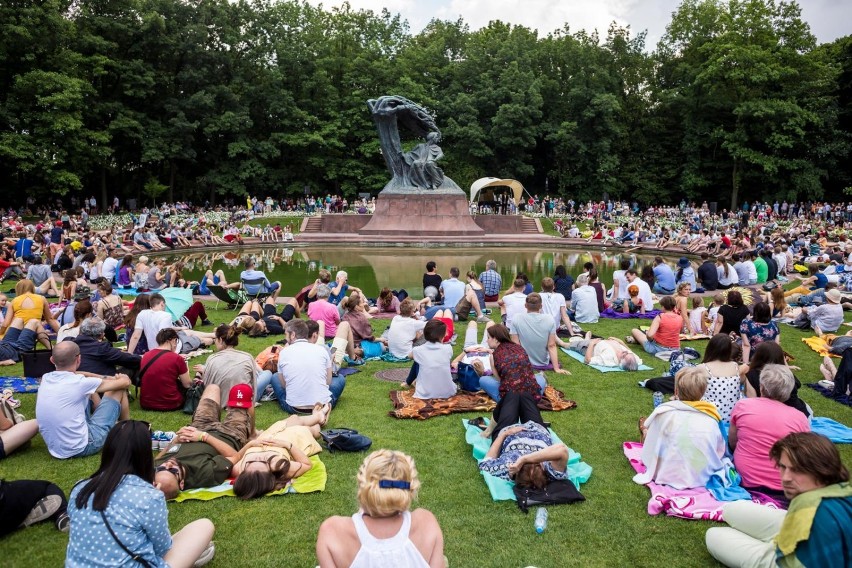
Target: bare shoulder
337,525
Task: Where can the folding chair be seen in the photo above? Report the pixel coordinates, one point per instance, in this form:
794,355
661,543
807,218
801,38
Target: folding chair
232,298
256,284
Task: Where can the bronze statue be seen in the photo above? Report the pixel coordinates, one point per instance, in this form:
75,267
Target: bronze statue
417,169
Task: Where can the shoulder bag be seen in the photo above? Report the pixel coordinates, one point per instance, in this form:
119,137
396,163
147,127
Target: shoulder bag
135,557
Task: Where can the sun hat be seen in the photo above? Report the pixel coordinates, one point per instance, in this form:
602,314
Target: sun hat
241,396
833,296
684,262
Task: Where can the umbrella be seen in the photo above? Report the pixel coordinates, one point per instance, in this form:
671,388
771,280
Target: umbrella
178,300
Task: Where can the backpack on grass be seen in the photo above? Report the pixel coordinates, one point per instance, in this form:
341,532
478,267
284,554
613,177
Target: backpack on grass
556,492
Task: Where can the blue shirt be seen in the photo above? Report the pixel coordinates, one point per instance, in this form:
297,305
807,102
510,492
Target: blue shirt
137,514
453,291
664,275
24,247
255,275
491,281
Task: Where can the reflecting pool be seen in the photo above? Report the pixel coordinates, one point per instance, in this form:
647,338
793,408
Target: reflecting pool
372,268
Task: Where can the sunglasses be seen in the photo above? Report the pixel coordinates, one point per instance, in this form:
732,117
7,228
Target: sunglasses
173,470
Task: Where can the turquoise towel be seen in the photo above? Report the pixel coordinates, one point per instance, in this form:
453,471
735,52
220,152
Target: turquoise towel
831,429
501,489
581,359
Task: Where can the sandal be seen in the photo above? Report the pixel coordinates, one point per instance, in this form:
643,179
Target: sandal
479,422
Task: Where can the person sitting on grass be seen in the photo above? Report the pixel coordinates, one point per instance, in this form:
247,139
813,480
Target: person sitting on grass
14,436
431,368
199,454
98,356
525,453
166,375
355,313
404,330
757,423
609,352
72,418
814,531
683,446
536,333
19,338
229,366
827,317
633,304
280,454
29,306
119,508
664,333
510,366
384,531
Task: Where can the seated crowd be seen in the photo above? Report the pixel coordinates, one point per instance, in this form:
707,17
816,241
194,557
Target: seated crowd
724,417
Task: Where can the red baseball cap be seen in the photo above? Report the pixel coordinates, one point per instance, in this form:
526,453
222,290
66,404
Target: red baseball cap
241,396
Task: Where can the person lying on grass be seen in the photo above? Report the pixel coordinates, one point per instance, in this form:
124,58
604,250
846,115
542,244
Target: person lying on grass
610,352
525,453
279,454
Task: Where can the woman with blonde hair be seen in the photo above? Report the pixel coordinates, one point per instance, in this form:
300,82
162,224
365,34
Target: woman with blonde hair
384,532
28,305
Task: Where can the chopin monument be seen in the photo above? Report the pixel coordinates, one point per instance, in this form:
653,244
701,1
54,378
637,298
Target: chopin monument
419,199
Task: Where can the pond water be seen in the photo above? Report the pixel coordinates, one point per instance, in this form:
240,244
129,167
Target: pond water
372,268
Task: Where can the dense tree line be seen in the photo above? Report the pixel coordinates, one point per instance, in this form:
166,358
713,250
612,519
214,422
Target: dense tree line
205,99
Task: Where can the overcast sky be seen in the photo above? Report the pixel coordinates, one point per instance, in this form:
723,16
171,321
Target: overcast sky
828,19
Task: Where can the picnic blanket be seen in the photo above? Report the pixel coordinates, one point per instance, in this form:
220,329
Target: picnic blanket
693,336
827,393
406,406
831,429
501,489
612,314
19,384
313,480
691,504
579,357
820,344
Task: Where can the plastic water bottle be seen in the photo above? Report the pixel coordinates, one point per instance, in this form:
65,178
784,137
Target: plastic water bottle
658,399
540,520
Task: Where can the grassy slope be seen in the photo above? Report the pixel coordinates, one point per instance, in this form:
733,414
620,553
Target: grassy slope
610,528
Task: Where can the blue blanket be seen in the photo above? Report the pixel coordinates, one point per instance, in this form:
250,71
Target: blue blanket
19,384
601,368
831,429
847,400
501,490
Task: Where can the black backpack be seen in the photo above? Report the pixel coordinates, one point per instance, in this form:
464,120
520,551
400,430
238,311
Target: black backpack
556,492
345,439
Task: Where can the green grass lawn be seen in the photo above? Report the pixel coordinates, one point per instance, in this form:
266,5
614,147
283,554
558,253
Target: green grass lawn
612,528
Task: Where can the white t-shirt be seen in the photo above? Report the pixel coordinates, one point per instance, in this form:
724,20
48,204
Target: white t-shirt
515,304
151,322
604,355
108,268
401,335
303,366
644,293
61,412
433,378
751,272
620,277
552,303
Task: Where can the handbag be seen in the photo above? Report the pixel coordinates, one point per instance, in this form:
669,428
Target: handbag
345,439
8,409
463,309
467,377
37,362
193,397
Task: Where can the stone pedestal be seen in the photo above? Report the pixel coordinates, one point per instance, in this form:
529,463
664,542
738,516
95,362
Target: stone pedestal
427,213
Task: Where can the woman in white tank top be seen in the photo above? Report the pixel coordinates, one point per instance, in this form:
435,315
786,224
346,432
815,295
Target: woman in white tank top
384,533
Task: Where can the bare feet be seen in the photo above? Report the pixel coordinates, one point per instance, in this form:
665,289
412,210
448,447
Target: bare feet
492,424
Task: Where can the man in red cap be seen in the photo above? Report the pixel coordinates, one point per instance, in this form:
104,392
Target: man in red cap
198,455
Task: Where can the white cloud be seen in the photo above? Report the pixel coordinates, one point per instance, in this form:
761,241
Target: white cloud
828,18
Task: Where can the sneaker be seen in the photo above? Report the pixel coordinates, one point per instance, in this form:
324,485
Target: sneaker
44,509
268,395
483,319
206,556
206,322
63,523
826,384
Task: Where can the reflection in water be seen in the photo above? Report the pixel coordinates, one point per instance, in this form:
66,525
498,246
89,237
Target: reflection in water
372,268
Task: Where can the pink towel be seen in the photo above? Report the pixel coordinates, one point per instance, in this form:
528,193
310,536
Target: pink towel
691,504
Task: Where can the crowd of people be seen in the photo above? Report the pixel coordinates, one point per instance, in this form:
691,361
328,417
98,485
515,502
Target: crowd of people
744,381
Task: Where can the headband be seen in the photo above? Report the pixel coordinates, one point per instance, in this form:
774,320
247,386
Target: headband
394,484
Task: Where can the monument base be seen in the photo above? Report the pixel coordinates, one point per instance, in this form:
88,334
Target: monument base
434,213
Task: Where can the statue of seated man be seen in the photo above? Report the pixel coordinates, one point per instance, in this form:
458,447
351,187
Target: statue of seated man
422,169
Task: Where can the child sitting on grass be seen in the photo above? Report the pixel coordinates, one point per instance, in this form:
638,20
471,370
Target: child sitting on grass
697,316
431,369
713,311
